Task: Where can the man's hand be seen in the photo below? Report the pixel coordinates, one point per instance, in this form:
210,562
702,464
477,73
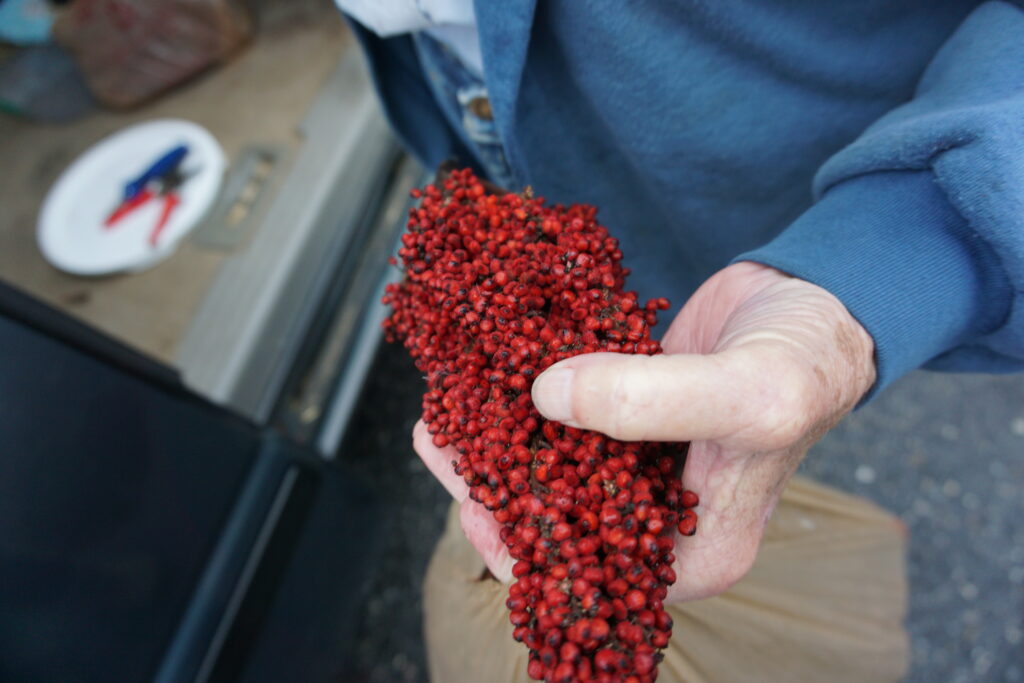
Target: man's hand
757,367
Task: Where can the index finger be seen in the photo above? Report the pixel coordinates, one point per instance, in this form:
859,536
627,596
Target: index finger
439,461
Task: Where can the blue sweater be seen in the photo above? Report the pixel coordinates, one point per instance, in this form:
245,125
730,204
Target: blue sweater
875,148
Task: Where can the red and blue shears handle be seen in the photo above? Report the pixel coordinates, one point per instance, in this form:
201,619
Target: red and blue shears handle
165,165
127,206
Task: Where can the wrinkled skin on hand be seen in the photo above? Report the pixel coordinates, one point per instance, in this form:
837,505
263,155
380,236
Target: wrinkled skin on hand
757,367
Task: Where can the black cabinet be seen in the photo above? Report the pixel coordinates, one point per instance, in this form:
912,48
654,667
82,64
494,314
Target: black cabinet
146,534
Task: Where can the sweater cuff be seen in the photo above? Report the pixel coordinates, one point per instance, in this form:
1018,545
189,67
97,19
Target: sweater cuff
901,259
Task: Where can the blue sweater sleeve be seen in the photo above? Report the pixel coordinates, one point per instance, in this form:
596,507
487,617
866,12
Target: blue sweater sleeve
918,227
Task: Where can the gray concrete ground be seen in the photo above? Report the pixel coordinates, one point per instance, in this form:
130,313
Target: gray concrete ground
945,452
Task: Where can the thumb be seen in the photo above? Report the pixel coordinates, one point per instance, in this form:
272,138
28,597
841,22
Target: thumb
733,394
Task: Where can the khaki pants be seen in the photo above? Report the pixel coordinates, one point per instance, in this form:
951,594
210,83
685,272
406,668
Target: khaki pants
825,601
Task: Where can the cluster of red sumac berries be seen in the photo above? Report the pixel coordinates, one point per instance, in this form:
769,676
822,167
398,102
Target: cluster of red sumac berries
497,288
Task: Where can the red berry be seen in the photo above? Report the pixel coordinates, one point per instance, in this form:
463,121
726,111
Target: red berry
563,673
605,660
635,600
688,523
561,531
643,663
599,629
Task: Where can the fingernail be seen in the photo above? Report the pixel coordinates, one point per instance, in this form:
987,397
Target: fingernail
552,394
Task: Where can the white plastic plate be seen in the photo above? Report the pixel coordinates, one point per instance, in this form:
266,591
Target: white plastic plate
71,232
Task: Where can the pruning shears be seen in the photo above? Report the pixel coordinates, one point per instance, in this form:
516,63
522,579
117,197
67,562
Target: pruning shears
161,180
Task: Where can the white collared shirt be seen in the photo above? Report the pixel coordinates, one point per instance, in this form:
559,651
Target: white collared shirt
453,22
